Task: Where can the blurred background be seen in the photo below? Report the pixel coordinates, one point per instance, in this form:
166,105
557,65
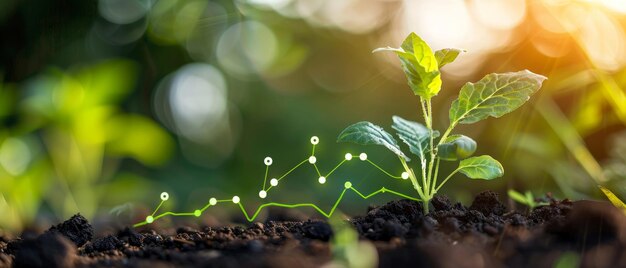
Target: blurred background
104,104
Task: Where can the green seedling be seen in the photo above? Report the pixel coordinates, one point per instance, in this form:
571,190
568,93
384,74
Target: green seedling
494,95
527,199
347,250
618,203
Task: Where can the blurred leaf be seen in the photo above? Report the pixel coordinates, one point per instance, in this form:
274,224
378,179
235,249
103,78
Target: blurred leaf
481,167
107,82
567,260
138,137
447,55
494,95
347,250
366,133
456,147
517,196
419,65
414,134
618,203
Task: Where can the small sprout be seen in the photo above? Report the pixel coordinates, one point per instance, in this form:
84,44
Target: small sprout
262,194
494,95
165,196
312,159
363,156
268,161
197,213
525,199
274,182
149,219
348,156
236,199
212,201
315,140
347,185
322,180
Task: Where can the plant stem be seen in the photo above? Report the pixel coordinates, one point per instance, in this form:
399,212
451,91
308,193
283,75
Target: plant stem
413,178
444,181
433,192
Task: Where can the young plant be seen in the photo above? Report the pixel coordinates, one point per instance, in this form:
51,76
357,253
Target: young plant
526,198
493,96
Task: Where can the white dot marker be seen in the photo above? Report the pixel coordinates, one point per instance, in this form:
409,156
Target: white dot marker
149,219
165,196
268,161
236,199
262,194
212,201
312,159
197,213
315,140
405,175
347,185
322,180
348,156
274,182
363,156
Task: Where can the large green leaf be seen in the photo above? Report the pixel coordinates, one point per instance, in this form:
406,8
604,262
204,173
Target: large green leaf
420,66
366,133
414,134
447,55
481,167
456,147
494,95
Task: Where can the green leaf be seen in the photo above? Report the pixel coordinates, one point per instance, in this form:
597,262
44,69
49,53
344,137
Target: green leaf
495,95
366,133
456,147
481,167
420,66
618,203
414,134
518,197
447,55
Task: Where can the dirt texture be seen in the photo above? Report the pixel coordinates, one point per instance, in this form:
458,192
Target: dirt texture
485,234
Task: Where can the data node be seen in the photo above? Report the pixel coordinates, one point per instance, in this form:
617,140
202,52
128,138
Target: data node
262,194
212,201
268,161
165,196
405,175
347,185
149,219
315,140
363,156
312,159
348,156
322,180
236,199
274,182
197,213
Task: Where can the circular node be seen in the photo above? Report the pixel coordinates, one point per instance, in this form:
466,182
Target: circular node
315,140
348,156
197,213
405,175
363,156
149,219
347,184
322,180
268,161
312,159
236,199
274,182
262,194
212,201
165,196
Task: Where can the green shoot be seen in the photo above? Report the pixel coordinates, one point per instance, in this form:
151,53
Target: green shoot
493,96
347,250
527,199
618,203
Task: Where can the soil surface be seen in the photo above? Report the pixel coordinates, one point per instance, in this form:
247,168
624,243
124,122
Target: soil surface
485,234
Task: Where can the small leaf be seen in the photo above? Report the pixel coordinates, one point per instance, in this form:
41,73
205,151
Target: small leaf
456,147
414,134
366,133
419,65
618,203
447,55
517,196
495,95
481,167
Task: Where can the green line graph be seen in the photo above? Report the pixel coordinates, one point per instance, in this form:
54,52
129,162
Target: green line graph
268,161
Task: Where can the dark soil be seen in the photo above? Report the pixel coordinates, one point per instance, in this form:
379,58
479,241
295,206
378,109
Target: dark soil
486,234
